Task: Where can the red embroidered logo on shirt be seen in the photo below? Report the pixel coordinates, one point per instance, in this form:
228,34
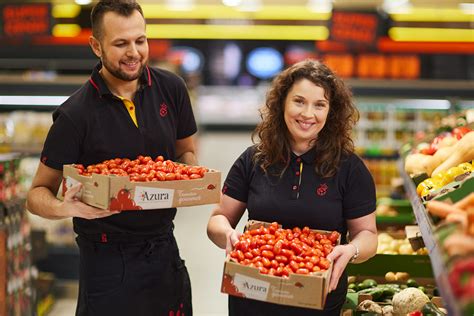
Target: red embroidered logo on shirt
179,312
43,160
224,189
322,189
163,109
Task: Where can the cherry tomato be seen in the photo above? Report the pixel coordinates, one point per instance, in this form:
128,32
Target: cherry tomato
268,254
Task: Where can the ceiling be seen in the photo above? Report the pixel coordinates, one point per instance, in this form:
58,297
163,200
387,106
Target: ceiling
338,4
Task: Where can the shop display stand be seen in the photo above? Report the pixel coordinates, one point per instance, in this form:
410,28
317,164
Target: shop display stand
426,228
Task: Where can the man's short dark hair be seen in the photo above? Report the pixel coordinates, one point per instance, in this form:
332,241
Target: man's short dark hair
121,7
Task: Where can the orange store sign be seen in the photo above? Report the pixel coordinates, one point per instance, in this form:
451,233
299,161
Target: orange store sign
26,19
354,27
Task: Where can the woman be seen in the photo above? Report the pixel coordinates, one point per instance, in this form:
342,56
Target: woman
302,172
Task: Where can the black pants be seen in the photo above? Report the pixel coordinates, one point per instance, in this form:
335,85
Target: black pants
140,278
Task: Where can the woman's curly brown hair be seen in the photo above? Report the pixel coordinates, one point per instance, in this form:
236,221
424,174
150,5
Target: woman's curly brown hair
332,143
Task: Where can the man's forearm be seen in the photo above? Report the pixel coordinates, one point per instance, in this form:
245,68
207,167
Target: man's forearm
41,202
188,158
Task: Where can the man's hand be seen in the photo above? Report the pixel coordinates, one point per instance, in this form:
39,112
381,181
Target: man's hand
73,207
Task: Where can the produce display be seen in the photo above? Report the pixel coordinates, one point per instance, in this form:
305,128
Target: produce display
279,252
402,298
144,169
392,246
442,171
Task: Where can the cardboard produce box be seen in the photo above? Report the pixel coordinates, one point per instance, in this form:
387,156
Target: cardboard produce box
308,291
119,193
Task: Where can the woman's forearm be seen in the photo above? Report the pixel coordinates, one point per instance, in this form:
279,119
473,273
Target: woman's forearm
366,241
218,229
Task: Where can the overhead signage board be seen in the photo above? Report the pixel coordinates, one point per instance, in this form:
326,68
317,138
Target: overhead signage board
26,19
355,28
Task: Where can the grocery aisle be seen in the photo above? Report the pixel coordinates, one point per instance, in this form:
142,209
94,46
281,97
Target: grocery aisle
203,259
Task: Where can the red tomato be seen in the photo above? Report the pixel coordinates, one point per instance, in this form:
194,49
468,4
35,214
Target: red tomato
161,176
333,236
266,247
170,176
324,263
282,259
278,247
275,264
287,253
296,248
302,271
268,254
263,270
266,262
256,252
294,265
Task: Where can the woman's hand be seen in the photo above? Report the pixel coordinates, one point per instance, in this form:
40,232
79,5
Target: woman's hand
340,256
232,237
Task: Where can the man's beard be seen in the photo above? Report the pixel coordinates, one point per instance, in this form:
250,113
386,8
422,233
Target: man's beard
119,74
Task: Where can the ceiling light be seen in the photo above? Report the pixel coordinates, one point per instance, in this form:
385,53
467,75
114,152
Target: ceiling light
83,2
250,5
396,6
180,5
231,3
31,100
467,8
323,6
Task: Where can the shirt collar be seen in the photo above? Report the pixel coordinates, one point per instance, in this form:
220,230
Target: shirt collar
98,82
308,157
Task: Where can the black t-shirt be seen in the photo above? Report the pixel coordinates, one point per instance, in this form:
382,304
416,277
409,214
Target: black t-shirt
302,198
93,125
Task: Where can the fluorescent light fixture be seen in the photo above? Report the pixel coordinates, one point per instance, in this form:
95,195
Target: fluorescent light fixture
65,10
320,5
396,6
39,100
467,8
422,104
83,2
231,3
420,34
180,5
221,12
66,30
418,14
250,5
251,32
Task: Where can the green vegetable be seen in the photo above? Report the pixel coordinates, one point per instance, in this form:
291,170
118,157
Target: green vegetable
361,286
412,283
430,309
380,293
369,283
351,286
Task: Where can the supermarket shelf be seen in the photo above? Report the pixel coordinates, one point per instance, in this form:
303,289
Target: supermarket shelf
401,219
426,228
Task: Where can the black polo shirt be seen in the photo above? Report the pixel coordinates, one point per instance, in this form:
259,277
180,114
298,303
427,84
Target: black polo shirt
93,125
301,197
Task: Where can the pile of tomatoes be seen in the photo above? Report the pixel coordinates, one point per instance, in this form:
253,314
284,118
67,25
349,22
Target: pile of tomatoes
279,252
144,169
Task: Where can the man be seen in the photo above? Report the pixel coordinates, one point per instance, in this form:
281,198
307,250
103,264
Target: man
130,263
